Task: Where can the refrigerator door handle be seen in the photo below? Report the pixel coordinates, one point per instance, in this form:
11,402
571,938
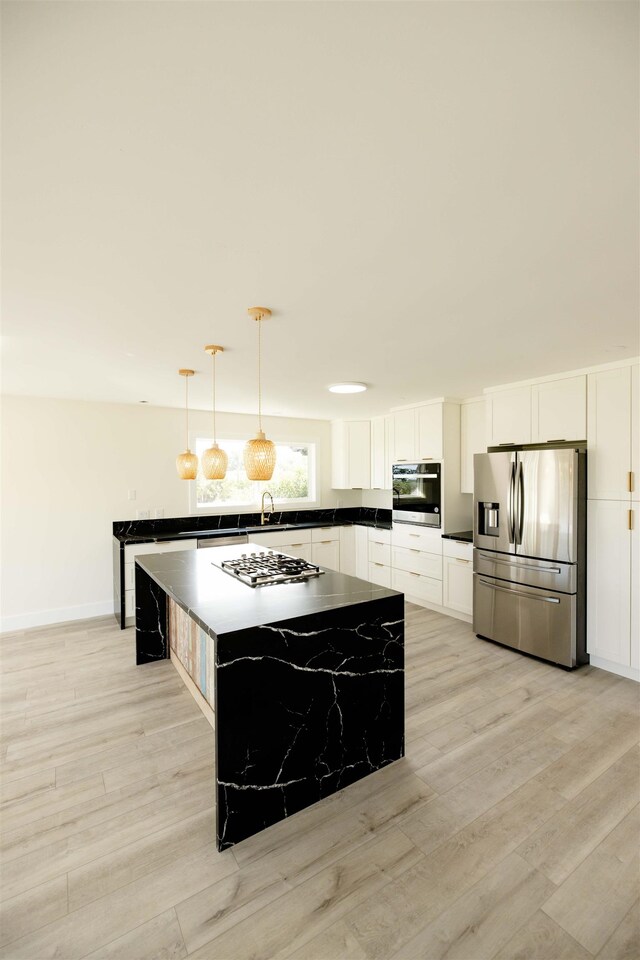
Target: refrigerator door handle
520,566
519,496
510,505
518,593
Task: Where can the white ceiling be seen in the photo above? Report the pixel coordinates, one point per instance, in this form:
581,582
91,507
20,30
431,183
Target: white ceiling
431,197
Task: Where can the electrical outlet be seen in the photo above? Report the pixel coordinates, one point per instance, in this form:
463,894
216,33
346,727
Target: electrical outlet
132,494
142,515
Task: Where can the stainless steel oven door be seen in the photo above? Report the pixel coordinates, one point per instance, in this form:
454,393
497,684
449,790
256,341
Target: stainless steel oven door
416,493
534,621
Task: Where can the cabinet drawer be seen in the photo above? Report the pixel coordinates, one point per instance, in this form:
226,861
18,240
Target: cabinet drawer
417,561
380,574
165,546
406,535
280,538
457,548
326,553
301,550
324,534
422,588
379,536
380,553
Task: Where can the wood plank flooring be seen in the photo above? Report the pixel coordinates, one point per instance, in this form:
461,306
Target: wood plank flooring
509,831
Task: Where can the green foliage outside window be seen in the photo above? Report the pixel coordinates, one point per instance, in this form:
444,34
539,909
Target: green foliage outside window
291,478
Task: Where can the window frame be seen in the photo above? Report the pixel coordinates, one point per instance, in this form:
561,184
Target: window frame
307,503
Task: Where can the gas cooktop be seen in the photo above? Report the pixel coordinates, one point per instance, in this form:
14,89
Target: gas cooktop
263,569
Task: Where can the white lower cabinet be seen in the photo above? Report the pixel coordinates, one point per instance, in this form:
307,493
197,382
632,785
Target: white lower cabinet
612,584
457,576
133,550
380,574
348,551
379,570
325,547
129,603
295,543
416,561
416,587
362,552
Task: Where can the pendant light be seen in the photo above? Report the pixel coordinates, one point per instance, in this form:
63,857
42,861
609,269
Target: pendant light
214,460
187,462
259,453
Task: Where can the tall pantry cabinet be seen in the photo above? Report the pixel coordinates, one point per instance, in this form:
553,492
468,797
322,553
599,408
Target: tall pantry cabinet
613,519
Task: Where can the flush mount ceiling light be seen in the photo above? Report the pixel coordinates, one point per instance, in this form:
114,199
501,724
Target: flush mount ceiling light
187,462
214,460
259,453
347,387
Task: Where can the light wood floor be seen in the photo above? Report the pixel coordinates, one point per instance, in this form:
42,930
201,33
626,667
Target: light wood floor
509,831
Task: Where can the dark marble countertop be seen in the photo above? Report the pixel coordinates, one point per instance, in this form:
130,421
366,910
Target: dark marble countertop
466,536
221,604
129,538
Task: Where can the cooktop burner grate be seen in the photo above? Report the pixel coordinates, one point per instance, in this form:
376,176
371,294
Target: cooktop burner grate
262,569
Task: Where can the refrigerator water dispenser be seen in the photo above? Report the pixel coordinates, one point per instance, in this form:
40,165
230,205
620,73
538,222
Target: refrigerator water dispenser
488,519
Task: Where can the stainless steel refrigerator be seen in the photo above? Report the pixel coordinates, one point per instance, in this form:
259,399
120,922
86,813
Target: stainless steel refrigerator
529,564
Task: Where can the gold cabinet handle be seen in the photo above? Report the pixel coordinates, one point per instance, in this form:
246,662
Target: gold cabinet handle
630,479
630,519
460,560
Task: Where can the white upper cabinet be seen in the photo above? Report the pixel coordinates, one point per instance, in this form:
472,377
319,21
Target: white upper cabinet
609,435
429,432
551,410
509,417
418,433
351,454
472,440
381,453
404,436
559,410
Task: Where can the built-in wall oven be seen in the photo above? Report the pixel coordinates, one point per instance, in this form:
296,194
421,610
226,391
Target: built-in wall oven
416,493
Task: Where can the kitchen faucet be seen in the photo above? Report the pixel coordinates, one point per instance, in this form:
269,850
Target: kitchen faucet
262,517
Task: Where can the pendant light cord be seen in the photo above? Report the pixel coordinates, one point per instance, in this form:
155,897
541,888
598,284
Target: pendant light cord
259,380
213,392
186,405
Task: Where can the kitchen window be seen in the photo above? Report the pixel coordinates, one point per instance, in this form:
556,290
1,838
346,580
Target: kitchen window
293,479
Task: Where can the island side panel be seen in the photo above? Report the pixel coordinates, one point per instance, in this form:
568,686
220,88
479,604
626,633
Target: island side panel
305,707
151,619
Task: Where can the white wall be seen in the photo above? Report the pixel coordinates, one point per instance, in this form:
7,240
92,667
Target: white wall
379,499
67,467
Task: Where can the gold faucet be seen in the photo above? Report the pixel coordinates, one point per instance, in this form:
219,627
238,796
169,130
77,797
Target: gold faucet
262,518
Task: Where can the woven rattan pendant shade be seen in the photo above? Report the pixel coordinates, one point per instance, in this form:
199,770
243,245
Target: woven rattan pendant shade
214,463
259,453
259,457
187,462
214,460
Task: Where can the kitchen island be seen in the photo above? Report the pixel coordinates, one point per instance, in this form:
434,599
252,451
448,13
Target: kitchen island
306,679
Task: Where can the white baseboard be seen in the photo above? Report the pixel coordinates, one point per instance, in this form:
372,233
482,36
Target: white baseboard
447,611
629,672
43,618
